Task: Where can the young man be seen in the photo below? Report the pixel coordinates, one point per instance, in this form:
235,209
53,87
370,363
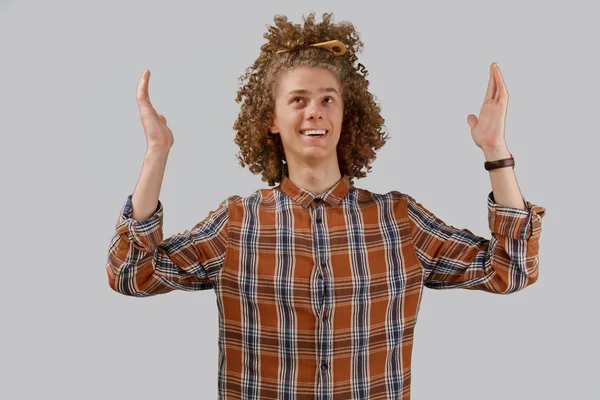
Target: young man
318,282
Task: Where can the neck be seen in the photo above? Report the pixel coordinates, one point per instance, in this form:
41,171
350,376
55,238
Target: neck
317,179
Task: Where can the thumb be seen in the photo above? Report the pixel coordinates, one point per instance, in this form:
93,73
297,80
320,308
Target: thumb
472,120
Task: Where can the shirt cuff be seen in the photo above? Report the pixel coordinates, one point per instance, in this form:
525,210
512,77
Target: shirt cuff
514,222
145,234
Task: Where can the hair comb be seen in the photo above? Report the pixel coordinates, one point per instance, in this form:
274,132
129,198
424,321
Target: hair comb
335,46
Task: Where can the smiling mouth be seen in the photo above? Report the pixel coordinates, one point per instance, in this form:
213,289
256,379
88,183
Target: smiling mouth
317,133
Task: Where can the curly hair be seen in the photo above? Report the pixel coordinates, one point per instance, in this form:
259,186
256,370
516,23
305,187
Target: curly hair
362,126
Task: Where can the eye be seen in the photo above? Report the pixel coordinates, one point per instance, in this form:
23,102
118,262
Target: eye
329,98
296,98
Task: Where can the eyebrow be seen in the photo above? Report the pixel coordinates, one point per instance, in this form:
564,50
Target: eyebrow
306,91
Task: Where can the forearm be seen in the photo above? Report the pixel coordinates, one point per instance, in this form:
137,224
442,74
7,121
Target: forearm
504,182
147,190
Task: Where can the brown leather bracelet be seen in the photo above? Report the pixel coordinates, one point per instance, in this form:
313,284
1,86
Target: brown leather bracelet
506,162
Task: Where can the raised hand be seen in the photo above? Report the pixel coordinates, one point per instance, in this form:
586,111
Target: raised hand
158,135
488,130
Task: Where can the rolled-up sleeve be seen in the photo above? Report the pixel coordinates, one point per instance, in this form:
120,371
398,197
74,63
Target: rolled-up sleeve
141,263
457,258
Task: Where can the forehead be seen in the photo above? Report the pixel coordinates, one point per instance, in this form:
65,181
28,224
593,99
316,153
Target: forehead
310,80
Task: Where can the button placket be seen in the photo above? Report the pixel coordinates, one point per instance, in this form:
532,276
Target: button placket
320,254
322,266
318,214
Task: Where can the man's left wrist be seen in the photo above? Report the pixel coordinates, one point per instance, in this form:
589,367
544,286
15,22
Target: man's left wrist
496,153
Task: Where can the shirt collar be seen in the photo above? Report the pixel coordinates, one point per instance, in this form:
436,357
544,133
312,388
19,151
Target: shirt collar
306,198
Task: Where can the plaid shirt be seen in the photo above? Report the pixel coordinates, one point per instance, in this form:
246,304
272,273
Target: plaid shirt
318,295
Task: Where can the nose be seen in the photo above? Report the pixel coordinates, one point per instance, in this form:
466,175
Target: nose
314,111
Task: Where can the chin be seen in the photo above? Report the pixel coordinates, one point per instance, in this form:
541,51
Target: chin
317,155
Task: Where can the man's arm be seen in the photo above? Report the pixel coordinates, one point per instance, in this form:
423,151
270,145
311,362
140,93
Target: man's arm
140,263
504,182
146,192
457,258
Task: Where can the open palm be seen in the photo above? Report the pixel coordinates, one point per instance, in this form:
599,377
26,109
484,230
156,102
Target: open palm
158,134
488,130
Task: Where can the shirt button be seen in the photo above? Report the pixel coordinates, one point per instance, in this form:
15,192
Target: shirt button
323,263
323,365
319,220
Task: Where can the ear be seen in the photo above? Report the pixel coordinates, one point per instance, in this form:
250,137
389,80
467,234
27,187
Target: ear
273,126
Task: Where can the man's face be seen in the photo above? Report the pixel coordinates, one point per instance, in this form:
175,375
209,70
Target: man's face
308,98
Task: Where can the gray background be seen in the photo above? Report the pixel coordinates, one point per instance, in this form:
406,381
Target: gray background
72,150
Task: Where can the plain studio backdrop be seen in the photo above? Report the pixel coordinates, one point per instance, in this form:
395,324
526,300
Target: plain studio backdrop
73,146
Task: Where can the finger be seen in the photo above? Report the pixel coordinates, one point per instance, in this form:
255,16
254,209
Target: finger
501,92
142,90
495,74
489,94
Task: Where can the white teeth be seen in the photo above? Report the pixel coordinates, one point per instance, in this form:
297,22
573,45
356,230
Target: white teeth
314,132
